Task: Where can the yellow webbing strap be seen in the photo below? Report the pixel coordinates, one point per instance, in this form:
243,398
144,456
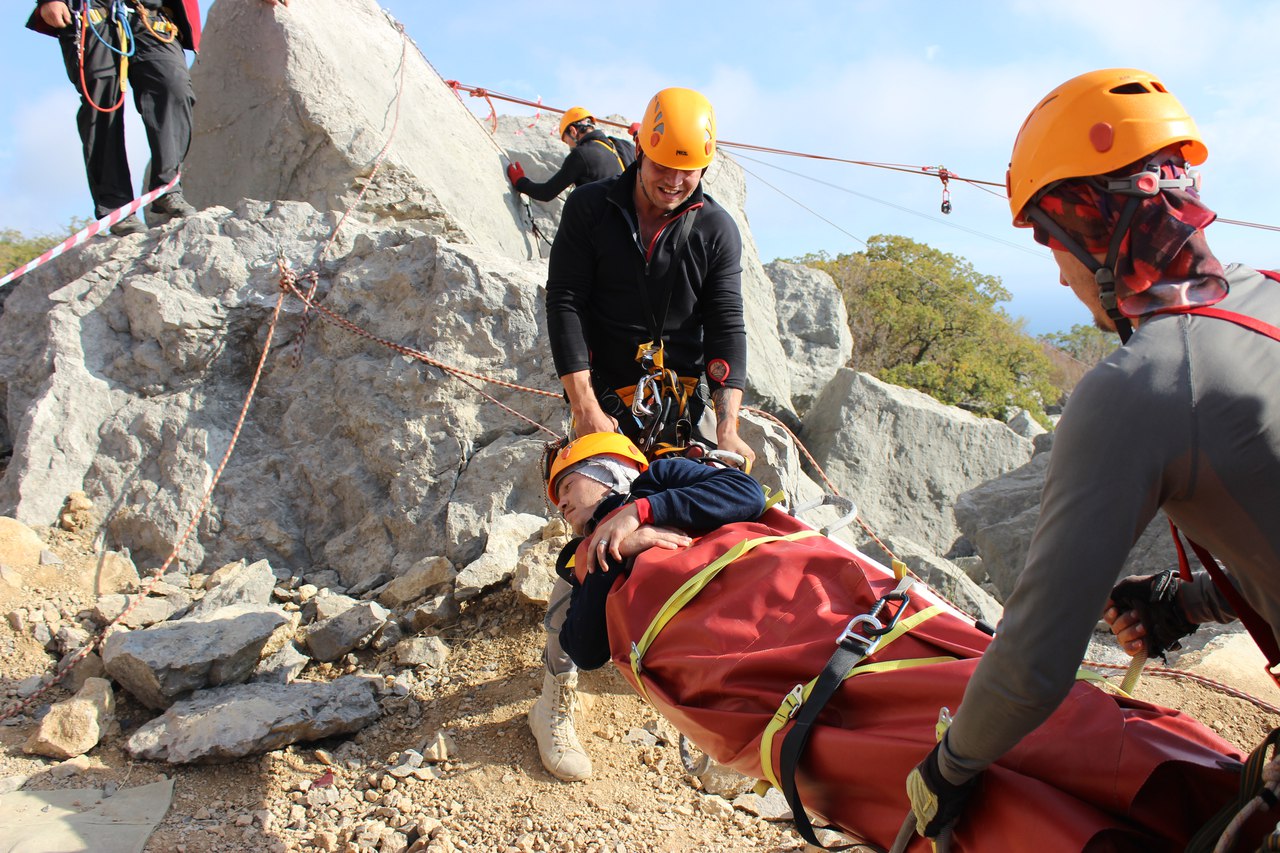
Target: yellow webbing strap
772,498
613,151
796,697
690,589
124,56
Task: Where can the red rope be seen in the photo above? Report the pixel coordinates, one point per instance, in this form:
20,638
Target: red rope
84,87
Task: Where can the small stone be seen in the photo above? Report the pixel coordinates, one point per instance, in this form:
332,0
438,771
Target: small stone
11,576
325,840
48,558
244,819
388,783
324,757
437,748
202,813
70,767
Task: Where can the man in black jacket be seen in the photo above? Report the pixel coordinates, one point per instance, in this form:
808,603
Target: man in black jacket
645,273
593,157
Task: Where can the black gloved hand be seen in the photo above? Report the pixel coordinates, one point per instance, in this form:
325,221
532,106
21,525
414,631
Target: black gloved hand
1155,599
936,803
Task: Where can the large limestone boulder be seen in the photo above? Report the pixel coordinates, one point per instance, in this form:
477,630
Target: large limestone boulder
354,458
999,518
298,103
227,723
813,326
903,457
159,664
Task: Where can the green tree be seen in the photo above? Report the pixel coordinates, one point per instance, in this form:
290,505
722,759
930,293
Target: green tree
17,248
1085,343
928,320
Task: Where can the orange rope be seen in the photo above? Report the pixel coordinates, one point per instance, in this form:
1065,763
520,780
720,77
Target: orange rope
84,87
1164,672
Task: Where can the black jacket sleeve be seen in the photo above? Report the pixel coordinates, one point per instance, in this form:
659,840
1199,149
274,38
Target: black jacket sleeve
570,276
571,172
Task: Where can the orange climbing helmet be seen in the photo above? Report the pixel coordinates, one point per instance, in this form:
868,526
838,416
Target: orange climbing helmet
593,444
1094,124
573,115
679,130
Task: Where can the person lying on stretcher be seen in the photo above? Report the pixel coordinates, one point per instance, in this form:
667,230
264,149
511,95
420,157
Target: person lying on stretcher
619,505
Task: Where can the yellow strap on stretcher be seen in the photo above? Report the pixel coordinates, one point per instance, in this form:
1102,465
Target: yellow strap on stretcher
800,693
690,589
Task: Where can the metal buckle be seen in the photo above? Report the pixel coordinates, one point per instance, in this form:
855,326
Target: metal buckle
869,641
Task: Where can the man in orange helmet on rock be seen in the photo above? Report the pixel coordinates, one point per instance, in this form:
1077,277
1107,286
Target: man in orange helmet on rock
1184,417
644,300
593,156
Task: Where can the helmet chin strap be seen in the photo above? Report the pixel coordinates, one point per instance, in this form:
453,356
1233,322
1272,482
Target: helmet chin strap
1103,273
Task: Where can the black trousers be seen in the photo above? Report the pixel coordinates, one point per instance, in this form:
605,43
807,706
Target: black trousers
161,87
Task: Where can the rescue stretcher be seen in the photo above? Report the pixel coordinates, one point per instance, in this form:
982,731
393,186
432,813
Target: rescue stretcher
726,639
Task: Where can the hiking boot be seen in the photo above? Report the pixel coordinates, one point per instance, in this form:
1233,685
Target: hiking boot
129,225
551,719
171,205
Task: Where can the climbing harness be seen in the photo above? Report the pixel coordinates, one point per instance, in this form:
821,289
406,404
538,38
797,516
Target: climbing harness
612,150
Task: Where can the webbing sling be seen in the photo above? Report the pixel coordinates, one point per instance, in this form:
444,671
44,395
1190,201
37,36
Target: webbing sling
851,648
1206,840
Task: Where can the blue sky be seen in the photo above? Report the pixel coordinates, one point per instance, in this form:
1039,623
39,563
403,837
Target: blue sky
905,82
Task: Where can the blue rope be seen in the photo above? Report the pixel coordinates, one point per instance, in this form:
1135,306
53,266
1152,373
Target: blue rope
118,13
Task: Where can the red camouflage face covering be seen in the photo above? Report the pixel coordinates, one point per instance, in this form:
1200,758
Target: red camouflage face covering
1164,262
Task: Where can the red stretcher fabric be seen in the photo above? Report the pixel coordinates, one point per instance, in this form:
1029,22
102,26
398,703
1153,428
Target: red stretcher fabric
1104,773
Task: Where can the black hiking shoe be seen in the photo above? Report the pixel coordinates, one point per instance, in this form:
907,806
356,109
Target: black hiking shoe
127,226
171,205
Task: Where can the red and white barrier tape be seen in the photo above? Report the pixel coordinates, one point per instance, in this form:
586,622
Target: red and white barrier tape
91,230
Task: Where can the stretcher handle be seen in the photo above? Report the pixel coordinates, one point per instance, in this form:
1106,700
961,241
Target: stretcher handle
941,844
848,507
694,768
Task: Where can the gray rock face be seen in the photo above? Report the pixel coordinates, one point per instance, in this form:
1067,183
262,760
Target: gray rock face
378,448
317,91
158,665
425,576
1000,516
944,577
903,457
224,724
813,326
508,535
333,638
237,583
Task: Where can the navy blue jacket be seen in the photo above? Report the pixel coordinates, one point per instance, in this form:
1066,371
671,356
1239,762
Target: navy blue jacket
683,494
